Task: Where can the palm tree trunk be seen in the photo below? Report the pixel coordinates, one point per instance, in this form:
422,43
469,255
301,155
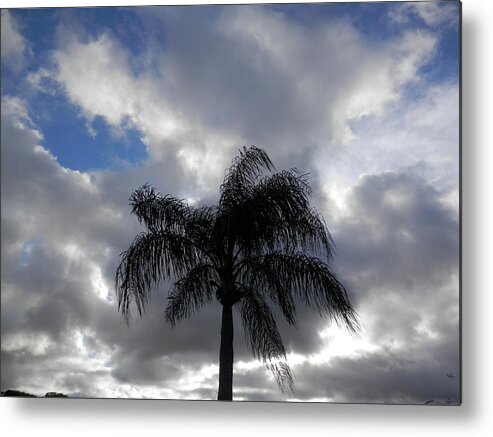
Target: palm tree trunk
226,355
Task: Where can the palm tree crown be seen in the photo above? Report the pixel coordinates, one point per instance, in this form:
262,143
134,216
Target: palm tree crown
261,245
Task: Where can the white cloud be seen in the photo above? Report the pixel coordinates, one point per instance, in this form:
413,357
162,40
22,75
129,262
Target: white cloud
433,14
96,78
14,46
418,134
42,80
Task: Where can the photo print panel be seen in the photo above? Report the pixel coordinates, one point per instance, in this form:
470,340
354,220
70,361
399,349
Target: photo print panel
237,202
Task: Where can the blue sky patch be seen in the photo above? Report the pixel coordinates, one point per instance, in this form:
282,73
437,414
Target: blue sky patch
80,145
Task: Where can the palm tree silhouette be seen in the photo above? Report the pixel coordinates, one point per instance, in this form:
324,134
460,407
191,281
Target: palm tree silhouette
261,244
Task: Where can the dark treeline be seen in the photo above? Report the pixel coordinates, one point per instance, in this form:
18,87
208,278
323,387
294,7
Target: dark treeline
21,394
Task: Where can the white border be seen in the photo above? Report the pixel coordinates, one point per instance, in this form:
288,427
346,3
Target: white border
56,417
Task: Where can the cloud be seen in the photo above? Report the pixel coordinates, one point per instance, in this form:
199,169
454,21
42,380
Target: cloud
418,134
378,378
261,79
41,80
14,46
275,81
433,14
54,291
398,253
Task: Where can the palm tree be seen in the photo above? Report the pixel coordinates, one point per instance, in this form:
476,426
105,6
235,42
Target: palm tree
262,244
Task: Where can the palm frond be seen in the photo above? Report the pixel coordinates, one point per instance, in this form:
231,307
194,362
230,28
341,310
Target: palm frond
152,257
265,341
243,174
169,214
259,277
199,227
276,215
159,212
282,374
306,277
190,293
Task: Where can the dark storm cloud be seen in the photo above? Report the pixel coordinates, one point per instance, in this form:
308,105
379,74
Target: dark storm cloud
398,220
400,248
379,378
240,85
148,372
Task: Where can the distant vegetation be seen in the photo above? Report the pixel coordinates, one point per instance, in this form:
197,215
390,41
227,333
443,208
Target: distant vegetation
21,394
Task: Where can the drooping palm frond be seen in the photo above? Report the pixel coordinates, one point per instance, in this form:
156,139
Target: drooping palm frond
265,341
177,238
158,212
190,293
261,279
153,256
305,277
282,375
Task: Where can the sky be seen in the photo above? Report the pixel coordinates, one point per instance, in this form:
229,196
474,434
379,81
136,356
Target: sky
96,102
